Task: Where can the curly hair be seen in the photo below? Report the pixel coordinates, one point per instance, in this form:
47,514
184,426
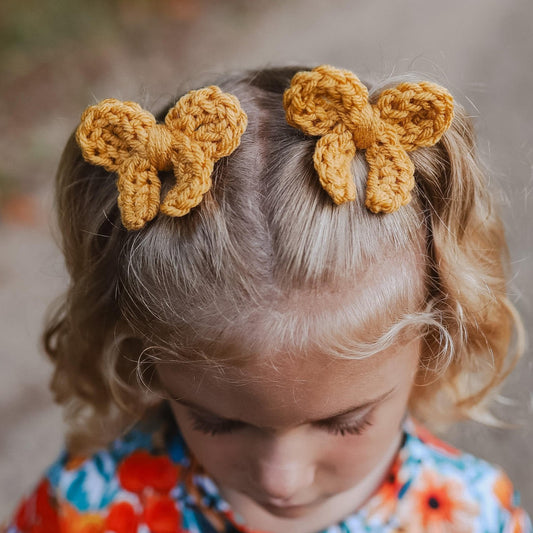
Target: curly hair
217,284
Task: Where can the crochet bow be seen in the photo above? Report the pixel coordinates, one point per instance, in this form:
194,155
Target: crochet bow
204,126
333,104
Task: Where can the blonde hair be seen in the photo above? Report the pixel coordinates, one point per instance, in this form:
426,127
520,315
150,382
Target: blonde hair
216,285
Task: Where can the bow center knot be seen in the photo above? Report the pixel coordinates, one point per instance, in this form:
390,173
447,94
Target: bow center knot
364,125
159,148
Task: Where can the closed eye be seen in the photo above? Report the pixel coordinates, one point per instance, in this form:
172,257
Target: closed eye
214,426
220,426
345,428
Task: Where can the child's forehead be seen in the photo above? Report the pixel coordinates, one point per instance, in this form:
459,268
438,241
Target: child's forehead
285,388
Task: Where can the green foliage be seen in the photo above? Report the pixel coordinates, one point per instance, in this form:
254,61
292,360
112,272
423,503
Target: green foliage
34,24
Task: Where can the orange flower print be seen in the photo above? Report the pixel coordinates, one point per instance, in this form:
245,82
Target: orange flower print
75,462
141,470
391,486
439,505
518,522
385,500
74,521
503,490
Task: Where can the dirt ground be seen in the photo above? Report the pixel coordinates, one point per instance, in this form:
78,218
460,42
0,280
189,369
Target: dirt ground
480,49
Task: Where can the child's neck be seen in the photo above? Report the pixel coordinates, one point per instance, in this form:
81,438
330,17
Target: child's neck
330,512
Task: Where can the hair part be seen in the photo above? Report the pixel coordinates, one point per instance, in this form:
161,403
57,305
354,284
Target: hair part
234,271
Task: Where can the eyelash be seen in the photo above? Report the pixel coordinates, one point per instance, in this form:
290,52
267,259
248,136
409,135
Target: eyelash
224,427
214,428
349,429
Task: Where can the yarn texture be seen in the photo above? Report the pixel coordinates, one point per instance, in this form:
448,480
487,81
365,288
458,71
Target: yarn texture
333,104
205,125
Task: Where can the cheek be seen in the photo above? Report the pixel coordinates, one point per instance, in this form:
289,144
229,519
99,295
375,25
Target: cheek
221,456
353,457
349,459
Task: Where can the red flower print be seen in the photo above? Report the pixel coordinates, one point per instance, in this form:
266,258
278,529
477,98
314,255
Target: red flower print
161,515
36,514
439,505
121,518
141,470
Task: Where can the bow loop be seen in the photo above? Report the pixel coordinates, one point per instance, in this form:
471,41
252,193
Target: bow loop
420,112
319,100
111,130
211,118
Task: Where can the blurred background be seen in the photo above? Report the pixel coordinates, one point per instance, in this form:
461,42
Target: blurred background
58,56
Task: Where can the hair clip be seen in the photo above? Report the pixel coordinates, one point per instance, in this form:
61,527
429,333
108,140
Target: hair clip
204,126
333,104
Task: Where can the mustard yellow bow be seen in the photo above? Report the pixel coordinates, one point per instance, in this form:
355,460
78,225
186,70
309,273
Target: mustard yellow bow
333,104
204,126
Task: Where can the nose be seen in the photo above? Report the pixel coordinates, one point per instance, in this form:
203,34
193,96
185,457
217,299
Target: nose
282,472
282,483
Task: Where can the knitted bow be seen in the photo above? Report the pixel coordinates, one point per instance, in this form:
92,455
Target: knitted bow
204,126
333,104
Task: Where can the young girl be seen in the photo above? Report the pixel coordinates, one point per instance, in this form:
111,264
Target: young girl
296,271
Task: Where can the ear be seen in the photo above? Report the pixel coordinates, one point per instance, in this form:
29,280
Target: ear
210,118
111,130
419,112
319,99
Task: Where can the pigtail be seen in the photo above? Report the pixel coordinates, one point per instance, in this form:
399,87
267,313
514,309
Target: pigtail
468,269
93,354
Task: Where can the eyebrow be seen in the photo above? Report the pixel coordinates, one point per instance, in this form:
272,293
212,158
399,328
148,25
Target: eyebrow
350,410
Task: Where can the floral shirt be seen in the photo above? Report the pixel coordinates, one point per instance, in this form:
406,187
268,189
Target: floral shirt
143,483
